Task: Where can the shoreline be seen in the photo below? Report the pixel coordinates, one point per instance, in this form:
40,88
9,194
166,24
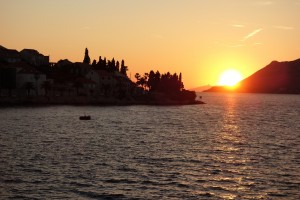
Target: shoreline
88,101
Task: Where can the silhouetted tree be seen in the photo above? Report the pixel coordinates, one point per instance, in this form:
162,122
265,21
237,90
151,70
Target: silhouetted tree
113,64
165,83
122,63
86,59
100,60
104,63
145,80
124,68
109,66
137,76
94,63
142,80
153,81
101,63
118,66
180,81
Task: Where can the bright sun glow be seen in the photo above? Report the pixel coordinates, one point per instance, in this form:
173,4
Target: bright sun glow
230,78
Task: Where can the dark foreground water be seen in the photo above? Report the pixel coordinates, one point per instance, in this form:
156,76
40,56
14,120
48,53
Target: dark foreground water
238,146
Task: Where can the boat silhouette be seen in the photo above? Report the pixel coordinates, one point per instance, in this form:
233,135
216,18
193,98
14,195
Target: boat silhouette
85,117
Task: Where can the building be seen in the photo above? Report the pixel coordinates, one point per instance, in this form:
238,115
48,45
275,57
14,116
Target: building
105,82
9,55
34,58
20,79
29,80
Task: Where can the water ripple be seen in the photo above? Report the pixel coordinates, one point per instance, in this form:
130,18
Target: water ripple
235,147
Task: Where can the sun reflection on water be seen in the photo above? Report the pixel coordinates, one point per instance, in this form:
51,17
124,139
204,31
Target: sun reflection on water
230,156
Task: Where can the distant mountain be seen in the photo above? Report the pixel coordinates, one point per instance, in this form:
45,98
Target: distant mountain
201,88
277,77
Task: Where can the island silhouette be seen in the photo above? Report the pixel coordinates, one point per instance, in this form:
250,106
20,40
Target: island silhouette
27,77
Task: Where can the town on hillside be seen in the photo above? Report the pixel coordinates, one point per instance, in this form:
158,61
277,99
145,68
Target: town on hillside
28,77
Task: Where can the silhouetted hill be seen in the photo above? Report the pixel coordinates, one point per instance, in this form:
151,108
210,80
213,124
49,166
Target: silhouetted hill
218,89
277,77
201,88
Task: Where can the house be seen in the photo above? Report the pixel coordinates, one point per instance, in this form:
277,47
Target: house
9,55
30,79
21,79
74,79
34,58
106,82
111,83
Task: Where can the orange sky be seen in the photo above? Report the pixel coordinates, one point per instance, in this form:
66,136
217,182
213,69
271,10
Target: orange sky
200,38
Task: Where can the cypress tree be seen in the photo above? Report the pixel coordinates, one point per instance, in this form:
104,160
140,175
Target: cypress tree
94,63
86,59
118,66
180,81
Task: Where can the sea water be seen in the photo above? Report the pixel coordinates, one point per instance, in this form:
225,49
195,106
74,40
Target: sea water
237,146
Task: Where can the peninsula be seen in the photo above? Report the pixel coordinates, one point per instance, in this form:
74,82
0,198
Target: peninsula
27,77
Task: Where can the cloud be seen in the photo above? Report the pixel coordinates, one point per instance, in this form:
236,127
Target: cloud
238,25
253,33
284,27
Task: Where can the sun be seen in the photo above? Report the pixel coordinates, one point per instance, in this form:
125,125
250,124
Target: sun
230,78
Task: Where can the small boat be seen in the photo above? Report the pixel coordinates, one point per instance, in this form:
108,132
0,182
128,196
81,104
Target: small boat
85,117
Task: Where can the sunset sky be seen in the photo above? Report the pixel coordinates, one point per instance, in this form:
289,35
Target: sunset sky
200,38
